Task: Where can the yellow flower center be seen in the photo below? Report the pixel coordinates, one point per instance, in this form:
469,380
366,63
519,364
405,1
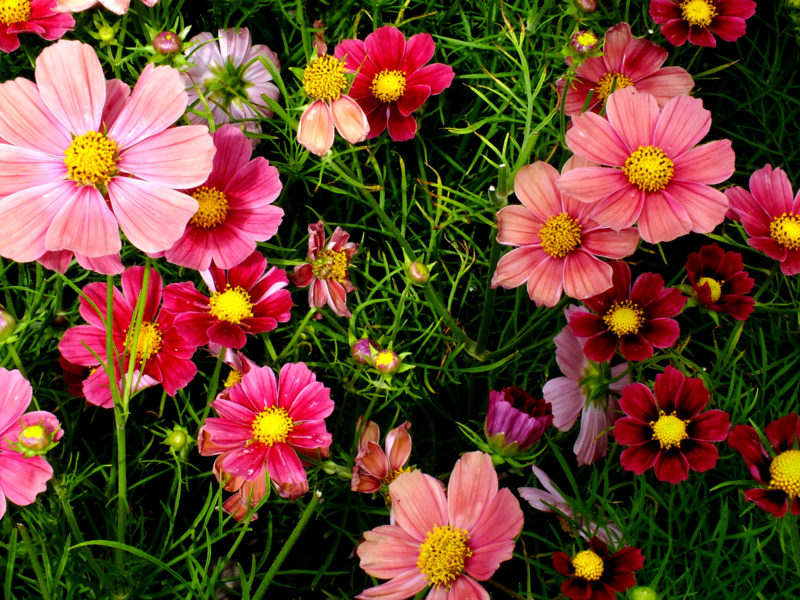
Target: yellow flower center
14,11
331,265
385,358
392,475
698,12
785,472
669,430
588,565
212,208
785,230
272,426
649,169
610,82
149,342
232,305
234,377
713,285
388,86
561,234
91,159
324,78
624,318
587,38
34,437
442,555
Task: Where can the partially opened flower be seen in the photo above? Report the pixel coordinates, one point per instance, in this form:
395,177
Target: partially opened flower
447,541
375,468
718,281
700,20
248,493
669,431
119,7
515,421
595,574
31,16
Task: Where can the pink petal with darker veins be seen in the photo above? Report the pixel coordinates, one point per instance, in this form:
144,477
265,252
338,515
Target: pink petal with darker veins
472,487
418,503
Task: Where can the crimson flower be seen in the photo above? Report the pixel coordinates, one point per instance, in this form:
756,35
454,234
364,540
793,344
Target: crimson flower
596,575
718,281
699,20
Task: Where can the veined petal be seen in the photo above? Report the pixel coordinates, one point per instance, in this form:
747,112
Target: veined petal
26,121
682,124
418,503
84,225
315,129
33,211
472,487
594,138
633,115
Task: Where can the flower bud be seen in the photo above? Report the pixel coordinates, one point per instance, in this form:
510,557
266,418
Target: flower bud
106,34
584,41
418,272
361,352
35,437
515,421
643,592
177,439
587,6
167,43
6,324
387,361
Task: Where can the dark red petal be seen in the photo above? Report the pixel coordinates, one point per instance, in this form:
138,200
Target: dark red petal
701,456
668,303
630,559
671,466
632,432
577,588
772,501
619,580
711,426
563,563
635,348
227,335
783,432
585,324
646,288
599,547
640,458
600,347
661,333
729,28
691,399
746,442
667,387
637,401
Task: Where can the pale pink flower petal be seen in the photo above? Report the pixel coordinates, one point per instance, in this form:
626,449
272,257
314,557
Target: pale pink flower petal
585,276
416,518
21,478
492,536
536,187
463,588
84,224
387,551
516,226
15,396
400,587
25,121
514,268
592,442
564,394
633,116
610,243
315,130
590,184
350,120
473,484
22,168
545,282
663,219
682,124
36,207
594,138
705,206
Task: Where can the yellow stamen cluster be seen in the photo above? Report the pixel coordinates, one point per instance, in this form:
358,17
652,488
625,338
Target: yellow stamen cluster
91,159
714,286
649,169
331,264
588,565
392,475
624,318
232,305
609,83
324,78
699,13
14,11
442,555
561,234
785,231
586,38
272,426
388,86
785,472
212,207
34,437
149,342
669,430
234,377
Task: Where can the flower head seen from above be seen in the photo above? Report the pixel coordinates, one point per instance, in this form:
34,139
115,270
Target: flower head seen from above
557,241
393,78
447,541
777,470
718,281
634,318
374,468
700,20
31,16
595,574
584,41
626,62
515,421
668,431
655,175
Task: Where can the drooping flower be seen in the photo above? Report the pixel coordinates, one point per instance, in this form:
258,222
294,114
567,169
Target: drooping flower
447,541
246,299
668,431
557,241
635,318
515,421
235,207
587,389
31,16
85,158
700,20
326,270
373,468
263,423
779,475
654,176
718,281
24,437
119,7
596,575
626,62
770,216
393,78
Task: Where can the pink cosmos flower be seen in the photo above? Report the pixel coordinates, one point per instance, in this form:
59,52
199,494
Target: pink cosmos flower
61,259
770,216
23,438
245,299
558,240
235,207
263,423
163,355
393,78
654,176
247,495
119,7
515,421
375,468
626,62
587,389
447,541
31,16
85,157
699,20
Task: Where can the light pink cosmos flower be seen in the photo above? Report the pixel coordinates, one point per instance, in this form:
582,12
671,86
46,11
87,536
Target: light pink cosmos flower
85,157
31,16
447,541
373,467
119,7
654,175
558,240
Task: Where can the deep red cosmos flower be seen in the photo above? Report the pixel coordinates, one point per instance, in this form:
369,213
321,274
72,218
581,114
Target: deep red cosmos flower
635,318
668,431
718,281
779,474
699,20
596,575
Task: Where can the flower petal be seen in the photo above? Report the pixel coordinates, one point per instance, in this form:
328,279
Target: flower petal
472,486
418,503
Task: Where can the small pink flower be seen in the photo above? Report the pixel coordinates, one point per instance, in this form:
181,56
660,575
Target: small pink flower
375,468
515,421
31,16
699,20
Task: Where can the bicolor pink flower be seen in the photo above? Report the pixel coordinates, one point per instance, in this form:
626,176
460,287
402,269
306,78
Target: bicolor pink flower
247,495
655,175
557,240
770,216
393,78
31,16
373,468
718,281
515,421
263,423
119,7
700,20
626,62
85,158
246,299
447,541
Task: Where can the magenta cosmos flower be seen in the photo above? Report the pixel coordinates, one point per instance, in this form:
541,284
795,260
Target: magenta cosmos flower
668,431
246,299
626,62
654,176
634,318
699,20
770,216
24,437
515,421
88,158
162,354
776,469
119,7
595,574
31,16
393,78
235,207
374,468
718,281
558,240
447,541
264,422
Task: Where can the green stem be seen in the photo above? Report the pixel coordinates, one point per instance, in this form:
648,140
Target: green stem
212,386
297,333
37,568
488,299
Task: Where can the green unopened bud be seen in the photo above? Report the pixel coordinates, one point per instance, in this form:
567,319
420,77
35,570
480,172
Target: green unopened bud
642,592
418,272
177,439
106,33
7,324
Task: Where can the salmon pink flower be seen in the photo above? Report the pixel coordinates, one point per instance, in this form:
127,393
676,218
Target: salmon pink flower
119,7
393,78
718,281
515,421
447,541
626,62
248,494
596,575
558,241
655,176
31,16
699,20
668,431
374,468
